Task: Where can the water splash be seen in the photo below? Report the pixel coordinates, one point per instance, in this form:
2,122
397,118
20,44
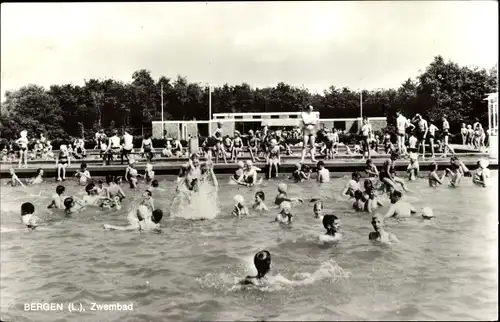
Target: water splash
203,204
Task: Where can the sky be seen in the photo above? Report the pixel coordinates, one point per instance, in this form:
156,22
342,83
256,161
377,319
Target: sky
364,44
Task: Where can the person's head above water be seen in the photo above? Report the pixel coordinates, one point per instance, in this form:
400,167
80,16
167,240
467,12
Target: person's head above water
318,208
377,222
282,187
157,216
355,176
320,165
260,196
331,223
394,155
238,200
262,262
90,188
368,184
154,184
249,164
27,208
60,189
68,202
396,195
240,164
358,194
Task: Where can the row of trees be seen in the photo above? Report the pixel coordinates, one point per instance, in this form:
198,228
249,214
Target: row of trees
63,110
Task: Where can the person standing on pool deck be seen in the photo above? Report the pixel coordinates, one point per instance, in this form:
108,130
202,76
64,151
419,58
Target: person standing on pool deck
446,135
401,125
113,147
62,162
366,132
22,142
128,145
380,234
309,122
422,129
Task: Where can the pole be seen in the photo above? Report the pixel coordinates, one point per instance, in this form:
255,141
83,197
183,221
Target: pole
162,122
361,102
209,109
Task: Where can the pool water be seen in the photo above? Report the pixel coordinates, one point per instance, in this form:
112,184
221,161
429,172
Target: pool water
441,270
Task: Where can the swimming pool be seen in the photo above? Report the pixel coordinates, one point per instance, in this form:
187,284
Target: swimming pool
441,270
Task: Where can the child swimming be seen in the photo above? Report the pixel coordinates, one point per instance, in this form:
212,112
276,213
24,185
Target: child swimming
323,173
352,185
39,177
73,205
28,218
262,262
140,219
413,167
359,203
482,174
83,174
372,203
131,174
332,225
380,234
93,199
284,216
149,174
318,209
399,209
283,196
298,175
239,208
434,179
58,198
14,179
259,204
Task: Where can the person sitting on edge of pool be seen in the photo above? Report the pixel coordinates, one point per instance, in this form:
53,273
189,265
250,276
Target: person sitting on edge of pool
28,216
318,209
434,179
14,179
388,174
371,169
380,234
39,177
259,204
250,174
399,209
332,225
73,205
352,185
58,198
93,199
284,216
283,196
262,262
359,203
141,219
239,208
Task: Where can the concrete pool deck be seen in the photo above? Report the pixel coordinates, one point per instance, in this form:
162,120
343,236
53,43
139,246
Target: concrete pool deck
342,163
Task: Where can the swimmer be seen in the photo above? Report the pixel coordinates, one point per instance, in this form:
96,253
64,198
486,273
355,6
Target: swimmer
147,200
455,174
332,225
39,177
14,179
434,179
323,173
262,262
259,204
237,177
352,185
28,217
380,234
93,199
131,174
149,174
427,213
113,189
239,209
250,174
318,210
141,219
359,203
399,209
284,216
73,205
83,174
154,185
482,174
100,190
283,196
371,169
57,198
298,175
372,203
413,167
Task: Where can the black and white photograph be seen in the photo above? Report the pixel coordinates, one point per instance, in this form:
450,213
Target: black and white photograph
249,161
